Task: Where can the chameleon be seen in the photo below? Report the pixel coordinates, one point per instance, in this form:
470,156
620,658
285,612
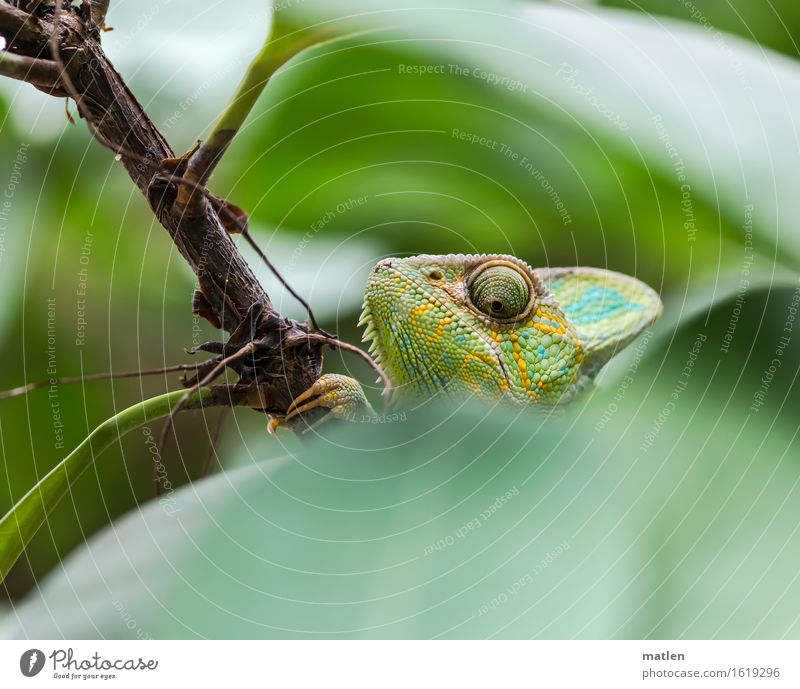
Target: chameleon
488,326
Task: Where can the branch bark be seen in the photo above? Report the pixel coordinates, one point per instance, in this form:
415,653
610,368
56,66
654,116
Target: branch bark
288,362
43,73
99,9
19,28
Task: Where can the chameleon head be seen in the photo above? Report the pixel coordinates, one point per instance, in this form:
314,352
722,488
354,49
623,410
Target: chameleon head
489,325
456,324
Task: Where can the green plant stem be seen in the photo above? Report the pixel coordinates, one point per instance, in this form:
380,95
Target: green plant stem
233,117
23,520
280,47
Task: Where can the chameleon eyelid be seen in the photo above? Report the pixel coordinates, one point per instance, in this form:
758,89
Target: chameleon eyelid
532,294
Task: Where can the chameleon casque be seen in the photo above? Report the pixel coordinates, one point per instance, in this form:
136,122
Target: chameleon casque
491,326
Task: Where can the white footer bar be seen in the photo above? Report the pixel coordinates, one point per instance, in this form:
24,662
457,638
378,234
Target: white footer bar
401,664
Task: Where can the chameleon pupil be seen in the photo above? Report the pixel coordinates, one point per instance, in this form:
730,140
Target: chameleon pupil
497,306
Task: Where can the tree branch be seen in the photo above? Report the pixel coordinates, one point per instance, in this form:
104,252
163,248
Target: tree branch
288,362
19,28
41,73
99,11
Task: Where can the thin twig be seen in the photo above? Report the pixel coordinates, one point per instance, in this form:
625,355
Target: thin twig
170,422
336,342
42,73
24,389
252,242
212,450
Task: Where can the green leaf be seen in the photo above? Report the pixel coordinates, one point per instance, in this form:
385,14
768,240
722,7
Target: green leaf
21,523
661,507
654,138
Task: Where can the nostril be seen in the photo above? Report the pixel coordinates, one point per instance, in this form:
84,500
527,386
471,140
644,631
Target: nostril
385,263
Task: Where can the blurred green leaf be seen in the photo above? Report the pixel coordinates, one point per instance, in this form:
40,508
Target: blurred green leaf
654,138
774,24
662,507
350,157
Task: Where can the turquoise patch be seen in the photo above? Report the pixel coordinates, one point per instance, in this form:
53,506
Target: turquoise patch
597,304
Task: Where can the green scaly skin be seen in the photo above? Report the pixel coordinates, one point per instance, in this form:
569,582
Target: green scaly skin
491,326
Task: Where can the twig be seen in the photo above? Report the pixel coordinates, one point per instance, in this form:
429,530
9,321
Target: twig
252,242
246,98
212,450
18,26
336,342
24,389
185,181
42,73
213,374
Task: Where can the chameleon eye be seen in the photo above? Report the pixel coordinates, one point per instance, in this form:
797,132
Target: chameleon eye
500,292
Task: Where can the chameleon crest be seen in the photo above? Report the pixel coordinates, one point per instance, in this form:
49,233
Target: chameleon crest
492,326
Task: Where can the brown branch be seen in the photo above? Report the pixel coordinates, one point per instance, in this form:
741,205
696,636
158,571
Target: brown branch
288,362
99,10
41,73
19,28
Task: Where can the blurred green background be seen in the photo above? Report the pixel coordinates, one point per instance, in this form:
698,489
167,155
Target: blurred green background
653,138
